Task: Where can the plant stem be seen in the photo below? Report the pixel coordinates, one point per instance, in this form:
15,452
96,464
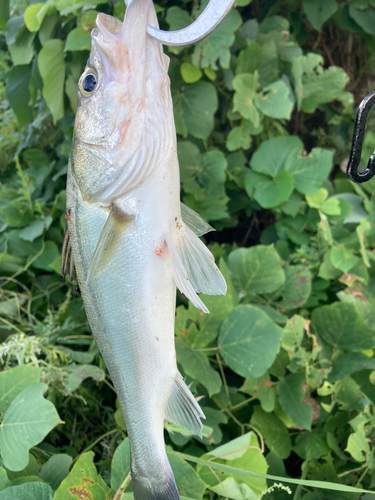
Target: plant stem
123,487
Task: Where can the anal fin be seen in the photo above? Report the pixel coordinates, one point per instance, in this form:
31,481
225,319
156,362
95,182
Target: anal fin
108,238
182,408
67,264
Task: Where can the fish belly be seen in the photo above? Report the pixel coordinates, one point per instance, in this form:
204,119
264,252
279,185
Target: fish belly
130,305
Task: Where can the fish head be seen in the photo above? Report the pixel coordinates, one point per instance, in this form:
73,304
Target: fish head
124,119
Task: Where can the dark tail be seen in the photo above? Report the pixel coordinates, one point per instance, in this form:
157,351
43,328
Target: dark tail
154,488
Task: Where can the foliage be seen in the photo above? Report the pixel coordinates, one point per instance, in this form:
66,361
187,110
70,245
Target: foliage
283,366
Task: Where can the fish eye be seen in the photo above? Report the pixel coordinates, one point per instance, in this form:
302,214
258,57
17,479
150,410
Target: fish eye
88,84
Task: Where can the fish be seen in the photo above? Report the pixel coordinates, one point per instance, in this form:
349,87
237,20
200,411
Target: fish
130,239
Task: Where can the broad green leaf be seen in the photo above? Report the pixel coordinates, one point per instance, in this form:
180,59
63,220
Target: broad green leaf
52,70
35,229
271,157
27,491
358,445
238,138
242,453
296,289
194,110
311,446
215,47
120,466
243,101
196,366
48,26
262,389
319,11
273,432
177,18
14,381
26,422
190,73
340,325
270,192
291,397
249,341
83,482
18,94
365,18
342,259
315,85
275,101
78,39
3,479
79,373
50,259
4,14
189,484
293,333
31,470
309,171
55,470
256,270
248,58
350,363
21,49
34,15
226,469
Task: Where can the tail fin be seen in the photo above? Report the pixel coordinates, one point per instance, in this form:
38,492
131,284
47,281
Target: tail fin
154,489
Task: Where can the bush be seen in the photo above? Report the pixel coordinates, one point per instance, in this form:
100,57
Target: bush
264,111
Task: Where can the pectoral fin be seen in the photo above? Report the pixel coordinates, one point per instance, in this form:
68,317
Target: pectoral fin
195,221
183,409
108,239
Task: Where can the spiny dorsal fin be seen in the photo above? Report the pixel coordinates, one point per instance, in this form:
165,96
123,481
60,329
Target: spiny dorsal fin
182,408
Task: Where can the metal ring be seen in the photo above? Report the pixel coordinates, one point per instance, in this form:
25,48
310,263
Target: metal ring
212,15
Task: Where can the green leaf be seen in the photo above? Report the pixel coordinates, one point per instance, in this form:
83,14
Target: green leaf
196,366
272,155
14,381
56,469
50,259
311,446
52,70
262,389
291,396
341,327
216,45
78,39
314,85
194,110
358,445
27,491
248,58
177,18
365,18
83,482
34,16
256,270
22,48
249,341
319,11
273,432
275,101
350,363
35,229
243,101
342,259
26,422
190,73
242,454
79,373
120,467
18,94
189,484
296,289
238,138
309,171
270,192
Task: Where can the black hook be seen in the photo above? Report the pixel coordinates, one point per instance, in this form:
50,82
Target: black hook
358,136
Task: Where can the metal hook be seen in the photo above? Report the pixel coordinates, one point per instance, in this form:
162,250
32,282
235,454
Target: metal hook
212,15
358,136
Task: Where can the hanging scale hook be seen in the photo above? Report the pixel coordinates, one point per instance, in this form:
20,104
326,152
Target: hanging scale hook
212,15
358,136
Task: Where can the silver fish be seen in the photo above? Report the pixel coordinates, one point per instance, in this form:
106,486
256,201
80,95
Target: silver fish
131,242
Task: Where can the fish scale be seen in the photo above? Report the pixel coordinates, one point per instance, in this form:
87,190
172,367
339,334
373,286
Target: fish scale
130,245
